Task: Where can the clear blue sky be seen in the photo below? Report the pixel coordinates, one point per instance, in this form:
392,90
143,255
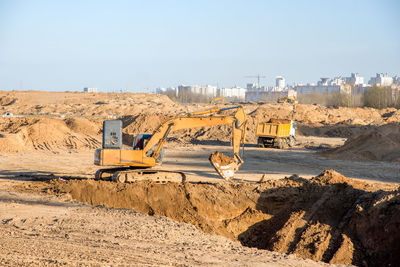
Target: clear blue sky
68,45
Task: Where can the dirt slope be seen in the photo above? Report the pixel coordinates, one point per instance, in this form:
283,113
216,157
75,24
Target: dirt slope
42,230
381,143
52,134
82,104
329,218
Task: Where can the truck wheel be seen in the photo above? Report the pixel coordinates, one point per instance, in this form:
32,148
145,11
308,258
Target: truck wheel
292,141
280,144
260,142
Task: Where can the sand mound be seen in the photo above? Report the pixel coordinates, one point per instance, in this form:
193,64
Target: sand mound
12,143
83,104
394,117
288,215
381,143
24,134
83,126
7,100
143,123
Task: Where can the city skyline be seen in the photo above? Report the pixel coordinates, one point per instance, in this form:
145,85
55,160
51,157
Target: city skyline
271,86
129,44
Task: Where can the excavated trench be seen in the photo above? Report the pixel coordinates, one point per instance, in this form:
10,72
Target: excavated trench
329,218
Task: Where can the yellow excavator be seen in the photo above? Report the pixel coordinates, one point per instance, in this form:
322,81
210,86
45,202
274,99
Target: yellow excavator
137,163
217,100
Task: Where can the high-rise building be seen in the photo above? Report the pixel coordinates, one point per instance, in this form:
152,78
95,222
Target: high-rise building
381,80
355,79
280,83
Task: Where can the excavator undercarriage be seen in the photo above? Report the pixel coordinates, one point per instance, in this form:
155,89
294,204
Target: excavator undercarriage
128,175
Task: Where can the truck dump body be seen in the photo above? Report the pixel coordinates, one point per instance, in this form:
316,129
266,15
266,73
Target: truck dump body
274,129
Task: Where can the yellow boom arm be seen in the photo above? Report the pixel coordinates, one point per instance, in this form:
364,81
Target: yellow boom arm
198,119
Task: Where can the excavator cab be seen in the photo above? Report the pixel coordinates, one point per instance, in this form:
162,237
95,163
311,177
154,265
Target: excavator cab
140,141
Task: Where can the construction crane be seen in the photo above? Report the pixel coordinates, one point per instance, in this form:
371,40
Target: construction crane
258,76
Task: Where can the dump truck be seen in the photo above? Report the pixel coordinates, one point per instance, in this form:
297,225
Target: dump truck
276,133
138,162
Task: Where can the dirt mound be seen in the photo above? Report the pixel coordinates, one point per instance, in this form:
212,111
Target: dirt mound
144,123
394,116
330,218
7,100
381,143
83,126
333,177
12,143
52,134
83,104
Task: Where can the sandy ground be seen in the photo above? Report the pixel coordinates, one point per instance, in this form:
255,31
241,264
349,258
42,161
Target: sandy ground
43,230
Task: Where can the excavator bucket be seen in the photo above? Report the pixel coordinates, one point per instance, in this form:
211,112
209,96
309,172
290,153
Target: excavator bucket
224,165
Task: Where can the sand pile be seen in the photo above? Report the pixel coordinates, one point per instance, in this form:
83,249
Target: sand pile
7,100
83,104
393,116
288,215
144,123
12,143
83,126
24,134
381,143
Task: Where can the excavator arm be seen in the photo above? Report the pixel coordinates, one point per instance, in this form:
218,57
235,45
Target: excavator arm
224,165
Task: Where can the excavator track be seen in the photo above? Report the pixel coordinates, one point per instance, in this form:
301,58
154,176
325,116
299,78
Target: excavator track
106,174
128,175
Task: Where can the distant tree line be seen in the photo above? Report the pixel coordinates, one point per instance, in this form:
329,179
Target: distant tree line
187,97
374,97
190,97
